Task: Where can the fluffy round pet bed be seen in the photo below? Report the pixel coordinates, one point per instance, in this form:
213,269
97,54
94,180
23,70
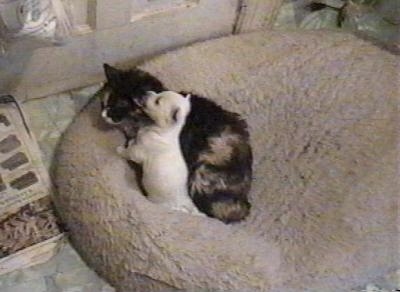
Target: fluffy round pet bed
322,110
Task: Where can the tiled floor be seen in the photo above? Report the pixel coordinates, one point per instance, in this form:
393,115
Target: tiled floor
65,272
50,116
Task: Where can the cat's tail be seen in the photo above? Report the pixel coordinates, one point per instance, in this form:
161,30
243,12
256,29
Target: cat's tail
223,206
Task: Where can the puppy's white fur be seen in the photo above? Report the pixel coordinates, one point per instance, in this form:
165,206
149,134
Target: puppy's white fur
157,149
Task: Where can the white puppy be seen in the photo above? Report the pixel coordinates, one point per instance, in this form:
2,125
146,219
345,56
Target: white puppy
157,149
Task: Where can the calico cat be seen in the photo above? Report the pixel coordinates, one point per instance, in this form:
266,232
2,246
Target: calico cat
214,142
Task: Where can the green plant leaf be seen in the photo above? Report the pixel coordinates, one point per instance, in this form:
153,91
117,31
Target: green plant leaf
389,10
365,2
374,25
324,18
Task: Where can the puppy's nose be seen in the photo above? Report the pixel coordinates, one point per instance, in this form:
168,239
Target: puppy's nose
142,101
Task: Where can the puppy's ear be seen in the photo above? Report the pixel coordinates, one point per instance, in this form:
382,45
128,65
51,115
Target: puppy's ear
187,96
112,74
175,115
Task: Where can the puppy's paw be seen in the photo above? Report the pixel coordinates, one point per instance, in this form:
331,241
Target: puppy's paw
190,210
121,150
196,212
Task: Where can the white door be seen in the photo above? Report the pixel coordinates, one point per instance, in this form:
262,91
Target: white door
113,31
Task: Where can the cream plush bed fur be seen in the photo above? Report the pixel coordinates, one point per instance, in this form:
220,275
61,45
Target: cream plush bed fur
323,111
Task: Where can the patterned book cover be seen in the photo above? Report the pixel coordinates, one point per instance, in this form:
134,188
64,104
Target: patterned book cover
27,220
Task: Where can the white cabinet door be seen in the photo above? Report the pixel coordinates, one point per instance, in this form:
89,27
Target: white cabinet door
114,31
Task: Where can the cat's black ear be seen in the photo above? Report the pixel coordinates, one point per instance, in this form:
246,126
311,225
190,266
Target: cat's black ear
175,115
112,74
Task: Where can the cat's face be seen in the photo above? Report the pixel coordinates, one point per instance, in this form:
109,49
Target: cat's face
124,89
115,109
167,109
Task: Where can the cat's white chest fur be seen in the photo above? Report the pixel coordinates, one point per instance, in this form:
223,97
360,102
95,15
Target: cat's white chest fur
157,150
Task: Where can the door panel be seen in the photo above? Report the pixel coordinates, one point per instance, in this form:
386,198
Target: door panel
145,8
118,31
256,14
